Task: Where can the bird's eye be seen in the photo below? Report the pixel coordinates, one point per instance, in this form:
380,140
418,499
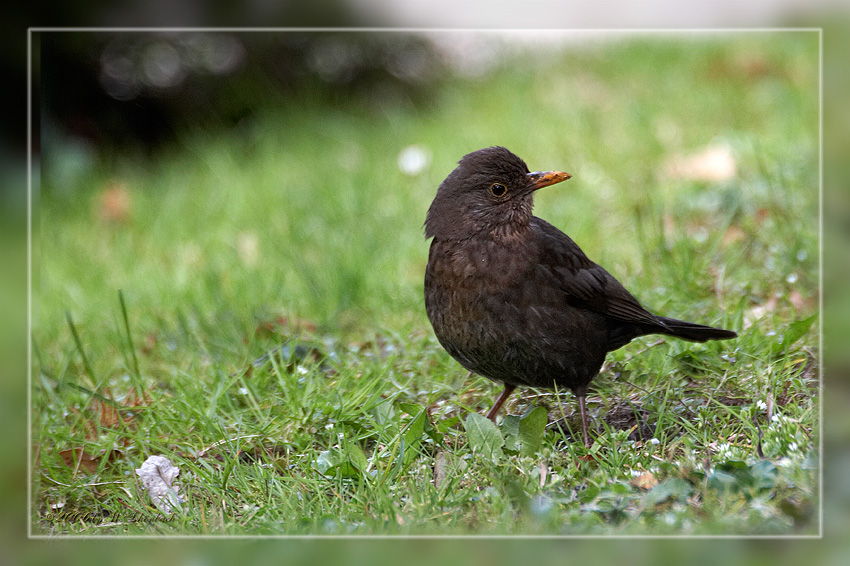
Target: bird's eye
498,190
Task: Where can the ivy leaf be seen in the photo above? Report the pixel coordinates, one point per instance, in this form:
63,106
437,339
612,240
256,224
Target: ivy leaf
764,474
524,435
383,412
484,437
446,425
412,437
531,428
674,488
510,433
795,331
735,475
324,462
352,460
410,408
346,461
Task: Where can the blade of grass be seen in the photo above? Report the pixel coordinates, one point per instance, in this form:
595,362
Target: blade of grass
137,375
80,348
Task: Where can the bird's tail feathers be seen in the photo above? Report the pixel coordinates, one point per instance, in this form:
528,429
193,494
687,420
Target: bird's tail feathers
692,331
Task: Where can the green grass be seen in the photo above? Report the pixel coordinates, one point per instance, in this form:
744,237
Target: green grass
298,228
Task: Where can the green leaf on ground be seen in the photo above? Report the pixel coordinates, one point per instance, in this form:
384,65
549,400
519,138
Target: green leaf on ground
532,425
796,330
484,437
675,488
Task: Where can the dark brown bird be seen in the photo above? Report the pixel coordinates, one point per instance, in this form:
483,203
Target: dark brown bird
513,298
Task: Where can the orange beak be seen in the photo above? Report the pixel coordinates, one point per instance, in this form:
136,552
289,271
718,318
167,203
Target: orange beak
540,179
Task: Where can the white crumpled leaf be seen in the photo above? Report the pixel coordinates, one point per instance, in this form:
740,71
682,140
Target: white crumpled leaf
158,475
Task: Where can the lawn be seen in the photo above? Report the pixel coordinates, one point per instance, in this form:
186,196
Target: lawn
247,302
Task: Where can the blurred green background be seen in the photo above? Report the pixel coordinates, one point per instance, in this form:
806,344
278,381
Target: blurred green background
267,173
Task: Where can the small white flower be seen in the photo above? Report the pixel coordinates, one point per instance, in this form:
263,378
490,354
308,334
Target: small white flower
413,159
654,441
761,405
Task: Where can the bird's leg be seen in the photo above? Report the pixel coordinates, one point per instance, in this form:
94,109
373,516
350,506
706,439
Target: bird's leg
581,394
500,400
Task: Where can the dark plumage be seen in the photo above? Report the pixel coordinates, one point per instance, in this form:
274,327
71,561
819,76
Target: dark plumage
513,298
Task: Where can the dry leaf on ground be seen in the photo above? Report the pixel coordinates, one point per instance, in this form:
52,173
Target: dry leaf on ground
714,163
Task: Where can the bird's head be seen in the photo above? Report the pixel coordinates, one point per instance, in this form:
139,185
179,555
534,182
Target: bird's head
490,191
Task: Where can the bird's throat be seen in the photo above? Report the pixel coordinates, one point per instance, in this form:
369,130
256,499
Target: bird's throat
511,232
514,223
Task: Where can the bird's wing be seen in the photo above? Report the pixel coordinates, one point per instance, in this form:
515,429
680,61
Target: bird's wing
584,283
